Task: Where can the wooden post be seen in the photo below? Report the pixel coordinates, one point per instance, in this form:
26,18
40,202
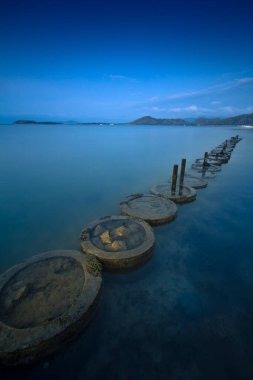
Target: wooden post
181,179
205,163
174,179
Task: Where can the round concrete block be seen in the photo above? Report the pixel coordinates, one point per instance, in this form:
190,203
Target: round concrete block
195,182
118,242
44,302
205,175
223,159
210,161
152,209
223,151
187,194
211,168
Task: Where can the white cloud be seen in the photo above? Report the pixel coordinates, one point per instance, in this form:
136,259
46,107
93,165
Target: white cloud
228,109
158,109
216,102
118,77
192,109
154,99
245,80
182,95
212,89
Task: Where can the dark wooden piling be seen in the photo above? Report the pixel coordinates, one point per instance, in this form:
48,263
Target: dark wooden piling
174,179
182,173
205,163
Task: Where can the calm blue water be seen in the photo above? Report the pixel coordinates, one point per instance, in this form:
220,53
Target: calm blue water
186,314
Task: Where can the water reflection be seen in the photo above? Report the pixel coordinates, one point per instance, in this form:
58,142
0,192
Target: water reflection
186,314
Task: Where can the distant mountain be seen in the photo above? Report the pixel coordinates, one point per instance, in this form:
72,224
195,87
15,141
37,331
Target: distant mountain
235,120
35,122
246,119
148,120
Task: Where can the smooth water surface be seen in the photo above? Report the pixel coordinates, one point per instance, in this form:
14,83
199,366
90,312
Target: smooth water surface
187,313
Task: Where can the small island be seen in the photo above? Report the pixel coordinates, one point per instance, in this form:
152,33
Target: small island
35,122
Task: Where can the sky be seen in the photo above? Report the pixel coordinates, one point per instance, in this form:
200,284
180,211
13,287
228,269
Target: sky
108,60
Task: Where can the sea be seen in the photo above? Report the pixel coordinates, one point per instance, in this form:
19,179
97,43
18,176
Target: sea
186,314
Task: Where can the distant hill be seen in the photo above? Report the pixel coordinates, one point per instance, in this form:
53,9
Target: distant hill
246,119
148,120
235,120
35,122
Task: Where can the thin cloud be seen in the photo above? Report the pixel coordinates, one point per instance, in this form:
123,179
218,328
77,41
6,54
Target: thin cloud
212,89
158,109
154,99
226,86
228,109
245,80
119,77
190,109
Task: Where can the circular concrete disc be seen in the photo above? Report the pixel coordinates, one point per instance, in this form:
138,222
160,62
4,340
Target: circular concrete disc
210,161
205,175
223,159
195,182
188,194
152,209
224,151
119,242
211,168
44,301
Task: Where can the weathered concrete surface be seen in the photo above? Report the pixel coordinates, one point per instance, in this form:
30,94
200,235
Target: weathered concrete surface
119,242
195,182
44,302
188,194
212,161
223,159
152,209
211,168
205,175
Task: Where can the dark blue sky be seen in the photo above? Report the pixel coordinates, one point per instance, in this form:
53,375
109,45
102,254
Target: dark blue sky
116,60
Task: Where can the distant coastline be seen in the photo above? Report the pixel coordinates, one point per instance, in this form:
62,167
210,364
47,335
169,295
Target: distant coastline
245,119
35,122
